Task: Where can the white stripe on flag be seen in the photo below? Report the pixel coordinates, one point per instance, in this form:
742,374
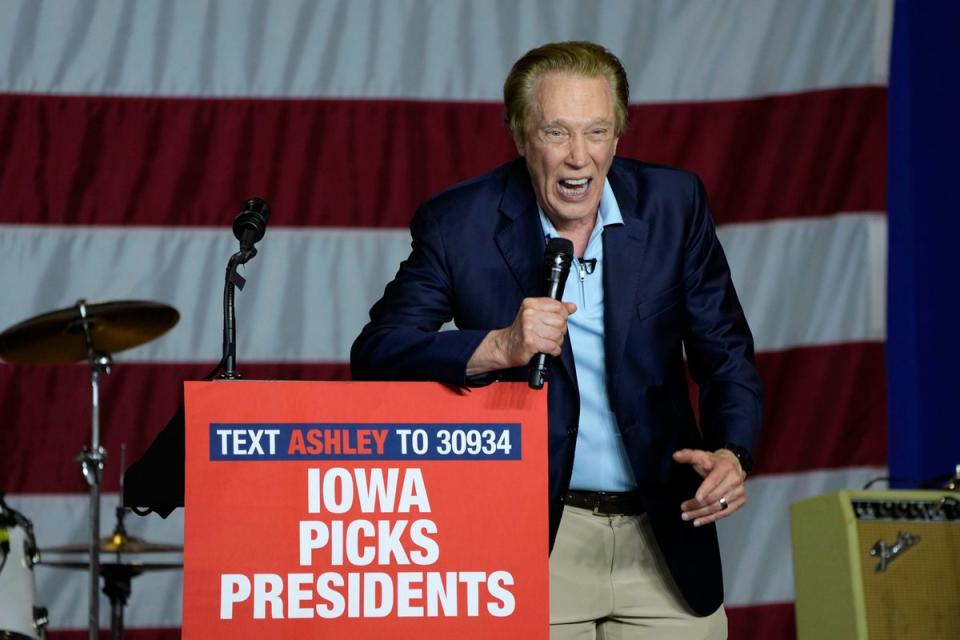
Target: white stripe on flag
451,50
802,282
811,281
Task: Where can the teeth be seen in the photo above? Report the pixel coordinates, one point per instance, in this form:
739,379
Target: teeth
579,182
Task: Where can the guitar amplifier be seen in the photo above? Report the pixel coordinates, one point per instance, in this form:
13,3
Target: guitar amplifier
877,565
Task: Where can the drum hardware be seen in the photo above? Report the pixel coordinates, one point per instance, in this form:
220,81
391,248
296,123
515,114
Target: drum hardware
116,583
128,545
20,617
119,542
91,333
117,574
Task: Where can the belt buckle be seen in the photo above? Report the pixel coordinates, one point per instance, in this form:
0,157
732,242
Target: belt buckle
598,504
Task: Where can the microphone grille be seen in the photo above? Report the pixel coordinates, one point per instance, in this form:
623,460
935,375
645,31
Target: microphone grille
560,246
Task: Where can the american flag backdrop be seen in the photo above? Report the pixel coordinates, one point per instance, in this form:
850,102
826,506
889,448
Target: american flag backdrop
131,133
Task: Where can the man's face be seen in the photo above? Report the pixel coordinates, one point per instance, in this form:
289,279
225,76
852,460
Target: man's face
569,146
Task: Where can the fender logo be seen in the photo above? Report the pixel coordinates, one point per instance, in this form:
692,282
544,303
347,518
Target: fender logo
887,553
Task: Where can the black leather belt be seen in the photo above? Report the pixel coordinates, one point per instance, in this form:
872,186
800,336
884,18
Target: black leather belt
607,503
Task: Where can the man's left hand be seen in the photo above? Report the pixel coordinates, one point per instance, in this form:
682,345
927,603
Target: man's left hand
722,491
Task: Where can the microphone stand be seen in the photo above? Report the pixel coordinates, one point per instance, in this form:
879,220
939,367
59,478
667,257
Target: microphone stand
232,281
248,227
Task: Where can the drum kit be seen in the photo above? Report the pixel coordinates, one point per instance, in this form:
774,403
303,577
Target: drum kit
91,333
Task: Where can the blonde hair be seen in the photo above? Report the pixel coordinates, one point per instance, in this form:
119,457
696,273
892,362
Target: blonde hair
577,57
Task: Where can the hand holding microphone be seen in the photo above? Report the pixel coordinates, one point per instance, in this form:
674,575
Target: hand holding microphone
556,267
538,329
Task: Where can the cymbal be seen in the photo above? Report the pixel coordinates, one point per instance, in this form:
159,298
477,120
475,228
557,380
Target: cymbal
57,336
128,568
117,544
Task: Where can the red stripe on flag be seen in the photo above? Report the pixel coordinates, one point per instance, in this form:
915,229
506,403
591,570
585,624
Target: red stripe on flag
368,163
757,622
824,407
129,633
762,622
47,415
47,412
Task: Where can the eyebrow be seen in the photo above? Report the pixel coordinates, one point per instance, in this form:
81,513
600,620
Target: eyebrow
592,123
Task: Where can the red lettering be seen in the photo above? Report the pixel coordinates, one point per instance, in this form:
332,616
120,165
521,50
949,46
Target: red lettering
347,447
363,441
380,436
315,438
332,439
296,442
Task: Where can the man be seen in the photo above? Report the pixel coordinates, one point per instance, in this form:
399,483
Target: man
635,486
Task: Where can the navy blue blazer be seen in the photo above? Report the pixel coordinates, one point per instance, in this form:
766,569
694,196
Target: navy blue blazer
477,252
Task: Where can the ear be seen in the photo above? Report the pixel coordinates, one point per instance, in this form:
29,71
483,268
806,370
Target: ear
521,145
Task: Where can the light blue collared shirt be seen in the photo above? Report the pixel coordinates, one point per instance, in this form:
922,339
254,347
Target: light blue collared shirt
600,462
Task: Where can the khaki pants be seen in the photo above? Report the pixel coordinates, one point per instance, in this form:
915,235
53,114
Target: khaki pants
609,581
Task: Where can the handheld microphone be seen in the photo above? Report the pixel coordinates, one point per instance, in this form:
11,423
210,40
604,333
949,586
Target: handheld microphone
250,225
556,267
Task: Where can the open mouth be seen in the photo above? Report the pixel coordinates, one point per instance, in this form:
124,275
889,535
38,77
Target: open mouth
574,188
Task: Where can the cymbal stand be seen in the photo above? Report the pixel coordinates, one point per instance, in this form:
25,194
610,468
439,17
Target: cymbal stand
116,586
117,577
92,460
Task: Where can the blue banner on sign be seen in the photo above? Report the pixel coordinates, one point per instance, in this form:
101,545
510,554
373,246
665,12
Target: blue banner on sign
338,441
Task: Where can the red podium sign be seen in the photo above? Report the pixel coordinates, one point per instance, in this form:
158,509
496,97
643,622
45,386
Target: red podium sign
365,510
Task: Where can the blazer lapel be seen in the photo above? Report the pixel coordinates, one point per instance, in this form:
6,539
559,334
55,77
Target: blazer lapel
624,262
519,237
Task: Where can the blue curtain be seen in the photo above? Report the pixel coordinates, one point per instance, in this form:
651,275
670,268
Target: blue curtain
923,341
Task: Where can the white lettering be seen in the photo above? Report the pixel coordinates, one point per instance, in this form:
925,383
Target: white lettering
238,441
414,492
372,608
224,435
313,535
337,488
297,594
335,602
407,592
272,437
388,542
429,551
353,587
330,482
442,592
329,595
373,490
495,587
473,579
267,589
234,588
355,530
313,490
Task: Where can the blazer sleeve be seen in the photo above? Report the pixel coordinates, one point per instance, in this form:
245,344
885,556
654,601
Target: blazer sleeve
403,340
717,339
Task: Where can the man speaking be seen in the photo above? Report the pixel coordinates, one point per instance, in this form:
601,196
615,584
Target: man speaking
635,485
